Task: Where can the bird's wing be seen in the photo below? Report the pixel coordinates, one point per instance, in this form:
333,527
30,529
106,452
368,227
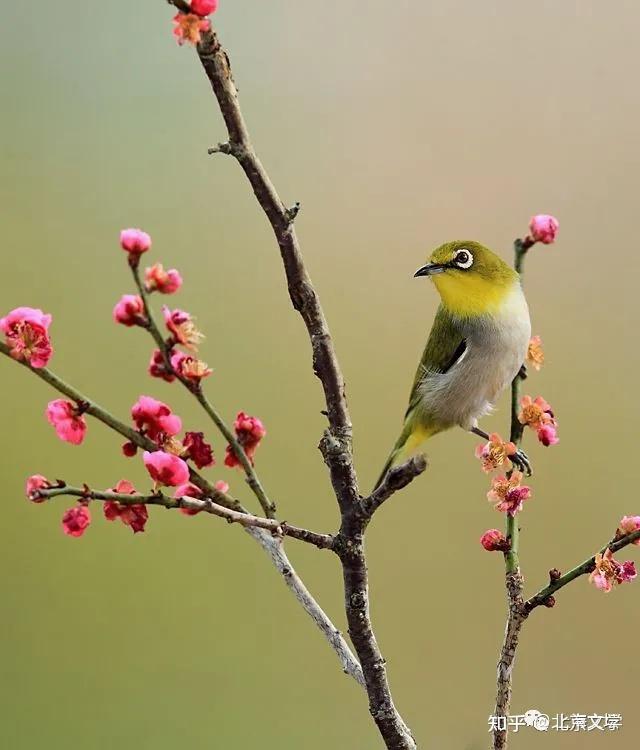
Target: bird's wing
446,346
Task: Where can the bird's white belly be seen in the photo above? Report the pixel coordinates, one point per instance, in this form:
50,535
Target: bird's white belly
496,349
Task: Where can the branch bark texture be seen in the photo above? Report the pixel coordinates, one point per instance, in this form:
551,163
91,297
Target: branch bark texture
336,444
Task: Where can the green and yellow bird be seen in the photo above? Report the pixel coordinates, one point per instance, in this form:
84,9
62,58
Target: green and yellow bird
477,345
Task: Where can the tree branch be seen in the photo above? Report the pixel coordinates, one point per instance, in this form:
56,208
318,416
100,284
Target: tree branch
280,560
215,62
335,445
273,547
396,479
196,390
205,505
514,582
542,597
104,416
515,621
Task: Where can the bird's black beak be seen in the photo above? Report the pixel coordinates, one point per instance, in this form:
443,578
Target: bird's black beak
430,269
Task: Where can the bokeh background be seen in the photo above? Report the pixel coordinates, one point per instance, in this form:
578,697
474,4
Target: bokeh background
398,126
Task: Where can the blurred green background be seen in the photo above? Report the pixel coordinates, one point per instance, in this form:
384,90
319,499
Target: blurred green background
398,126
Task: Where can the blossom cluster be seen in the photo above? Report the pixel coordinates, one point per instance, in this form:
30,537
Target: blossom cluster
167,462
189,27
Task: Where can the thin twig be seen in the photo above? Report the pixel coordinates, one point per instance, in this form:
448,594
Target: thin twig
309,603
104,416
396,479
268,507
513,581
542,596
273,547
205,505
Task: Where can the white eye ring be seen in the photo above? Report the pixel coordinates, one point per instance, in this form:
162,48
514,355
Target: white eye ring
463,258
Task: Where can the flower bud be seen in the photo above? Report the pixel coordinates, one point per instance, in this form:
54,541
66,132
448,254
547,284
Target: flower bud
544,228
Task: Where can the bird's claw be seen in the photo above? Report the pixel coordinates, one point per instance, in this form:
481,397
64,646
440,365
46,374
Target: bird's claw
521,461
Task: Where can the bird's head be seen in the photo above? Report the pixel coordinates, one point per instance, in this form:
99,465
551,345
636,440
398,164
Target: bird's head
470,278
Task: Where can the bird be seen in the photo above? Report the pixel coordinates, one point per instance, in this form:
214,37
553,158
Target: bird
477,345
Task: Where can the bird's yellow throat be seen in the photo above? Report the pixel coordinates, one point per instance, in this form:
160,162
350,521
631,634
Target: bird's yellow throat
468,294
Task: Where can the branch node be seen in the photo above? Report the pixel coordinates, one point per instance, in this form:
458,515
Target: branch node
223,148
292,213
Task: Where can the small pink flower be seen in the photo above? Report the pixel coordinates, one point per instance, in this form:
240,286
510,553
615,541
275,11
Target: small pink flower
494,540
159,280
535,413
199,451
27,334
129,311
495,453
155,418
189,367
629,524
548,434
76,520
543,228
508,495
134,516
183,329
627,572
189,27
67,420
535,353
166,469
249,432
608,571
135,241
158,369
204,7
188,490
36,483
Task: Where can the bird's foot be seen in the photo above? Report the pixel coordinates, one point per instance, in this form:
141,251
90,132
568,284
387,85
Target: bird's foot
521,461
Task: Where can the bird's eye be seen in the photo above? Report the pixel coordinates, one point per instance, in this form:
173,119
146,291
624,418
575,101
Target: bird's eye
463,259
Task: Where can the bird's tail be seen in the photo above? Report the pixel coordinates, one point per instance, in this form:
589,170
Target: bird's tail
411,438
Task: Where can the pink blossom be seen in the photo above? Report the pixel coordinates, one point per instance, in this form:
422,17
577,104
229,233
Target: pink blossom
189,367
129,311
627,572
155,418
67,420
76,520
548,434
494,540
134,516
158,369
199,451
535,413
183,328
188,490
166,469
129,449
508,495
27,334
543,228
608,571
535,353
495,453
629,524
249,433
35,483
159,280
204,7
135,241
189,27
